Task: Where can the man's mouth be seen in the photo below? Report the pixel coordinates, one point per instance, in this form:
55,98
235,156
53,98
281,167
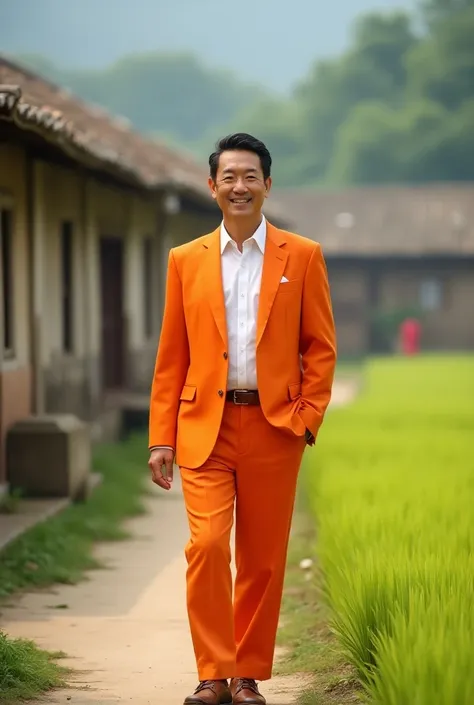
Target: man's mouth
240,200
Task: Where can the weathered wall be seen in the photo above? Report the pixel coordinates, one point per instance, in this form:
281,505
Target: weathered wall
15,370
349,295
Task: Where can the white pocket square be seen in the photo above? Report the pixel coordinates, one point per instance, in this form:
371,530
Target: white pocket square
283,280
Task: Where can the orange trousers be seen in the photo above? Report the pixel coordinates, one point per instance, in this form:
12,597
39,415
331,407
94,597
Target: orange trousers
253,466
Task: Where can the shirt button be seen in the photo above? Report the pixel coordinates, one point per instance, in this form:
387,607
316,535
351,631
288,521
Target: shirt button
220,393
225,356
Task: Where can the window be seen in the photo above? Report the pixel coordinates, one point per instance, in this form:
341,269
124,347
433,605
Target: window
148,286
431,294
67,285
6,269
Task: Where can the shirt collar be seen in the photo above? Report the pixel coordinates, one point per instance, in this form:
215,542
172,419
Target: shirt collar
260,235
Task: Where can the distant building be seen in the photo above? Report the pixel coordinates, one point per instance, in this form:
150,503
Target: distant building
394,251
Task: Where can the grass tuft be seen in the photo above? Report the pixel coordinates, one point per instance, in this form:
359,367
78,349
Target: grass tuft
26,671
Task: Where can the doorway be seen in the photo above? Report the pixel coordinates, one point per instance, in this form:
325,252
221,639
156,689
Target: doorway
113,339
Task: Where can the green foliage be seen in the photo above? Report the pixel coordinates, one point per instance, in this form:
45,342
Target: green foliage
435,12
26,671
60,550
395,107
9,503
371,72
386,324
393,496
441,68
378,144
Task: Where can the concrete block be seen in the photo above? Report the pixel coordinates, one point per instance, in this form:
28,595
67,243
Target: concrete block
49,456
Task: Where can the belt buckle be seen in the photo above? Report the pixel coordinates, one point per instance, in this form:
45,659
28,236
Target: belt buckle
240,403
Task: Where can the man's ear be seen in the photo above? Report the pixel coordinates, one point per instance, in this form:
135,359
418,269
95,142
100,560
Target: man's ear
268,186
212,187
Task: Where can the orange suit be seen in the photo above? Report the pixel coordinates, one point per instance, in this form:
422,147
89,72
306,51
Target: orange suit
247,454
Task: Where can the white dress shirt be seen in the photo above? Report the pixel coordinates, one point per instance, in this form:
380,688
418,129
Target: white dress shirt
241,278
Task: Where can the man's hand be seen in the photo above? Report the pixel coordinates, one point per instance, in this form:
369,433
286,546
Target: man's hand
161,466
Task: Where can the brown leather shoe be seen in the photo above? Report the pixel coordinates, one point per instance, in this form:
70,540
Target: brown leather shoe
210,693
245,692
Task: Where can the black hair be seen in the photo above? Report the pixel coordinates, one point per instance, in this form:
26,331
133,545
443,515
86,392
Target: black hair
243,142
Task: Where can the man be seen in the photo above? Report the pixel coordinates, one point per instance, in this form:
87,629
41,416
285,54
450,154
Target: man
242,380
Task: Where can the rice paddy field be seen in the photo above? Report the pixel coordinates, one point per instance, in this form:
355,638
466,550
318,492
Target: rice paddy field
391,485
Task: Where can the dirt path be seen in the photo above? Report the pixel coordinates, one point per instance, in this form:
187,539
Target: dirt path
125,629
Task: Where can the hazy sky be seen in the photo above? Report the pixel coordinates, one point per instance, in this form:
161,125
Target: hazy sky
252,37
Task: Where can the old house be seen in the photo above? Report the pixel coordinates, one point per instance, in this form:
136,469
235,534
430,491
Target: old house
88,212
394,251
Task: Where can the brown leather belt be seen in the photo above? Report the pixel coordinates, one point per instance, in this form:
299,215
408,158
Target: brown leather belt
243,397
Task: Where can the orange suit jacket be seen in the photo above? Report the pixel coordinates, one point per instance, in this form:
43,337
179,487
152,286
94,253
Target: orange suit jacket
296,347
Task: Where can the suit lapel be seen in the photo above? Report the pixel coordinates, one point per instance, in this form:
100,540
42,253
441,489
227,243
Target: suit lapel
274,262
213,281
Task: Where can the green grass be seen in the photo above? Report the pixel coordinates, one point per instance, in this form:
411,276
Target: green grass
9,503
26,671
308,645
391,484
60,550
350,368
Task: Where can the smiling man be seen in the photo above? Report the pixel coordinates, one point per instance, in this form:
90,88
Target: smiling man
243,377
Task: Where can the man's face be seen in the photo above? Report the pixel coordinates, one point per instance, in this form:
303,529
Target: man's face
240,188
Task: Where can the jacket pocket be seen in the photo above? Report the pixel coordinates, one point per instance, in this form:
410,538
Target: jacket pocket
188,393
287,287
294,391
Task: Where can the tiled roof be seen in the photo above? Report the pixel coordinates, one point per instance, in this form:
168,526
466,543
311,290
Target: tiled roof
434,219
90,134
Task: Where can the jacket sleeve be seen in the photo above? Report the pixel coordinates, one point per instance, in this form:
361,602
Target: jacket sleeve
317,343
171,366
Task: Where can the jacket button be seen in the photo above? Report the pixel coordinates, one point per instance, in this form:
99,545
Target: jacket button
220,393
225,356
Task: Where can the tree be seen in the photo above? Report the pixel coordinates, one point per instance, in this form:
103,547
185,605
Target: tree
408,103
371,70
442,67
422,143
366,146
435,12
449,153
383,41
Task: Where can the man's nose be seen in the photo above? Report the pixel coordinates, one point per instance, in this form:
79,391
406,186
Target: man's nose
240,186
